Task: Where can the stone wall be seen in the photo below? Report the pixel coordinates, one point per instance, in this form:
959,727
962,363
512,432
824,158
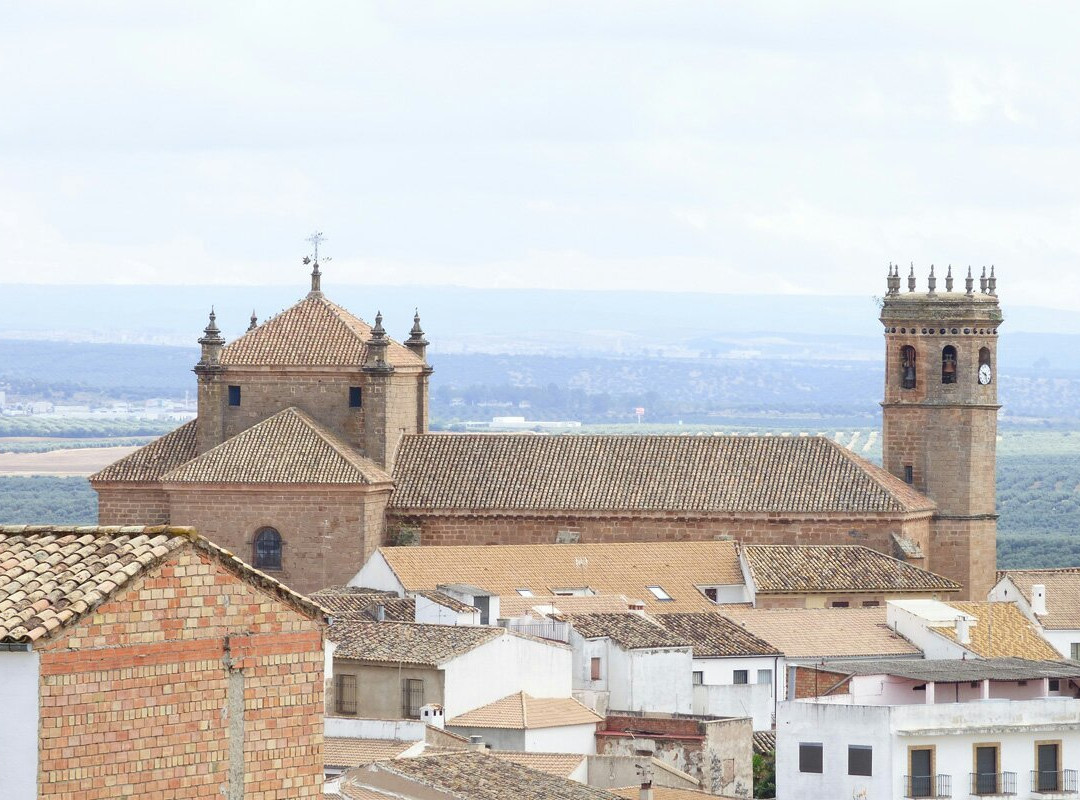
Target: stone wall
131,504
191,684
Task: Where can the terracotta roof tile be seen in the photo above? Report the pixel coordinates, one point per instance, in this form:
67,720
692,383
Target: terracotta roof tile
407,642
524,712
445,600
289,447
50,576
670,793
764,742
542,607
150,462
313,333
607,568
363,605
780,568
1002,631
347,752
1062,594
470,775
683,473
561,764
712,634
631,631
823,632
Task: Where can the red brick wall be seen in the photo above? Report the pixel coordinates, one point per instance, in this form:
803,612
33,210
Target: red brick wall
328,533
120,504
659,726
135,700
810,682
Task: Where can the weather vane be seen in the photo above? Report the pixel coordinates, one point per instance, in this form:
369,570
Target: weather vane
315,239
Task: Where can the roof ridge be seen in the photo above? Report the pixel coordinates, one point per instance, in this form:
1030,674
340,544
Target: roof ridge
882,478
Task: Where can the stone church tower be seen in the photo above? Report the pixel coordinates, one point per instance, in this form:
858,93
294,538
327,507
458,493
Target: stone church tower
940,415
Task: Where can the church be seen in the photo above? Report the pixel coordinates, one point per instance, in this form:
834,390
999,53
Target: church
311,449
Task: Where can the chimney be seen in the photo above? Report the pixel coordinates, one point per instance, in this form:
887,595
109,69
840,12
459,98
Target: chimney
380,612
963,630
1038,600
477,743
646,792
432,714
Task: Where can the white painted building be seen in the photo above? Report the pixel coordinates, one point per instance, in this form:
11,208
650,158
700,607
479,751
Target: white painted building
438,608
531,725
993,728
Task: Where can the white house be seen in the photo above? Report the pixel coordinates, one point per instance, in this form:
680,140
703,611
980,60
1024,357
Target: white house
531,725
734,673
626,662
944,728
442,608
1051,599
968,629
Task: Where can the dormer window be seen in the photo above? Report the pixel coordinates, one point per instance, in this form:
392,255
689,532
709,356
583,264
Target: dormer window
948,364
907,367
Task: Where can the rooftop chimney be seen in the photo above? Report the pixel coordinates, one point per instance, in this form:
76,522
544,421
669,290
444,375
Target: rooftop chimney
963,630
432,714
1038,600
646,782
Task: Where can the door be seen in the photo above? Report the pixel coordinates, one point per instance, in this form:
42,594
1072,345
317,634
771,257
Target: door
986,770
1047,757
922,772
483,603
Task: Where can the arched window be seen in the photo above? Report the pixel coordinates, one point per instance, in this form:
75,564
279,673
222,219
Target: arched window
985,368
268,549
948,364
907,367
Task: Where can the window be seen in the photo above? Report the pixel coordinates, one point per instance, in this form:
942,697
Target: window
1074,651
234,395
764,676
740,676
710,593
268,549
986,778
907,367
948,364
810,757
921,781
659,593
1047,776
909,473
356,397
697,678
840,604
860,759
871,603
412,697
483,604
345,693
524,592
1053,685
594,669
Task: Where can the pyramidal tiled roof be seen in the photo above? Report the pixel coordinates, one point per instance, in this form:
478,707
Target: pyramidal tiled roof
149,463
779,568
289,447
407,642
313,333
808,474
712,634
50,576
524,712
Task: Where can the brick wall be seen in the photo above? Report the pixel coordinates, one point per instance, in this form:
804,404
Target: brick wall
143,698
811,682
328,532
656,726
128,504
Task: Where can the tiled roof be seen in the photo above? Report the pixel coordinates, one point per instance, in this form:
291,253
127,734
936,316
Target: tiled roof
681,473
961,670
606,568
712,634
765,741
1062,594
824,632
780,568
50,576
669,793
471,775
407,642
151,461
289,447
313,333
1002,631
631,631
524,712
445,600
561,764
363,605
347,752
539,607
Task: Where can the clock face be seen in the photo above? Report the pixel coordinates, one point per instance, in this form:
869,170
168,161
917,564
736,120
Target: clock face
984,374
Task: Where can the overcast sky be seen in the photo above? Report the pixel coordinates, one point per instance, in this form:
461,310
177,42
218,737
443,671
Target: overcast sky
746,147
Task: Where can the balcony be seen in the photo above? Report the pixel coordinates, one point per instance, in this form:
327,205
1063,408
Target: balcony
1053,784
993,784
928,786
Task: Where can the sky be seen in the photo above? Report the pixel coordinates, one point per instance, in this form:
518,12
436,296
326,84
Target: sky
765,147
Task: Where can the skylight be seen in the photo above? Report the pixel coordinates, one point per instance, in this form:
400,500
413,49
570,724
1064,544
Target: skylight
659,593
525,592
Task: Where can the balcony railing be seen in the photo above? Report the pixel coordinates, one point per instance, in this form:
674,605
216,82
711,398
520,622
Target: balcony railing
993,783
1050,782
928,786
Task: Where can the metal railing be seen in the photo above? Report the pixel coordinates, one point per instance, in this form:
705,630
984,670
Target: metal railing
993,783
547,629
1053,782
928,786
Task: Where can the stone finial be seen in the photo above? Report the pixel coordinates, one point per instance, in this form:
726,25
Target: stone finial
982,282
893,281
378,332
911,278
949,280
211,332
416,341
212,342
931,282
969,282
254,321
376,348
991,283
316,275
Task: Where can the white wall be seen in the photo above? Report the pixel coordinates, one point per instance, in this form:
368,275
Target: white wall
1062,640
563,739
502,667
585,650
376,574
660,680
495,738
433,613
405,730
720,671
915,628
19,699
754,700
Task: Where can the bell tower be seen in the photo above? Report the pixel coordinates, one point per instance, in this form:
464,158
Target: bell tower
939,416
